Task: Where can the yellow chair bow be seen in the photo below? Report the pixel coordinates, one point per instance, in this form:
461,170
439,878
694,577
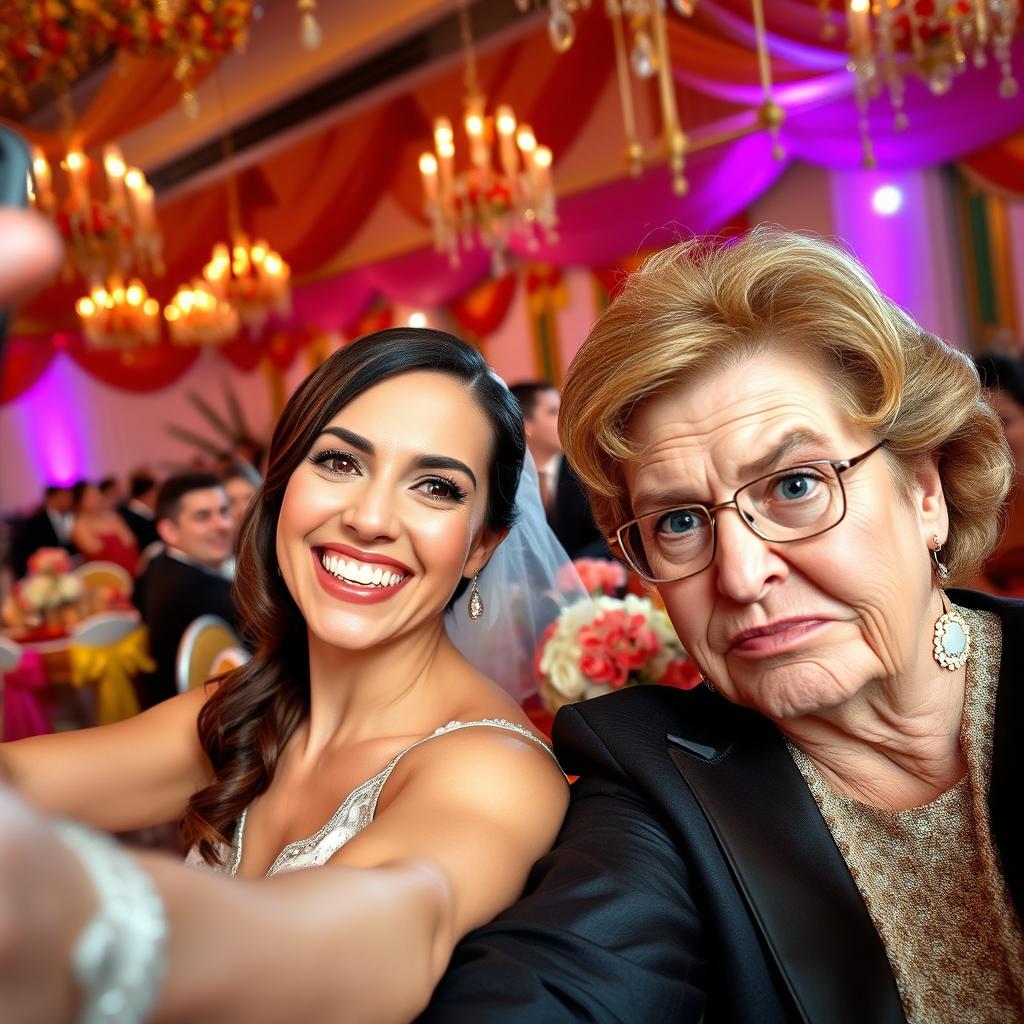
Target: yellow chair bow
111,670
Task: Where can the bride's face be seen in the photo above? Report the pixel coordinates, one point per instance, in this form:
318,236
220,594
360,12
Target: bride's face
387,511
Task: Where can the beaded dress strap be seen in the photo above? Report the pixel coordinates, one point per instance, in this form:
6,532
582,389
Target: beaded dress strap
372,789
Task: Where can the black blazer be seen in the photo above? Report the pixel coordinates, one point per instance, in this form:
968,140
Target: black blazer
144,527
571,518
694,879
29,536
170,594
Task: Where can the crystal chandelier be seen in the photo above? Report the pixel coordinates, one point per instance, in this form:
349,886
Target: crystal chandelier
116,315
493,198
933,39
252,278
106,218
640,34
196,316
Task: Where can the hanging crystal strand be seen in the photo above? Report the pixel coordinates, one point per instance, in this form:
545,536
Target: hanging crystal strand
634,151
828,29
771,115
310,34
1002,38
956,44
675,138
891,72
980,33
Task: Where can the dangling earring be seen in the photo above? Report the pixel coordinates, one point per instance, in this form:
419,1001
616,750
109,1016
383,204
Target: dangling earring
476,602
708,683
952,642
940,567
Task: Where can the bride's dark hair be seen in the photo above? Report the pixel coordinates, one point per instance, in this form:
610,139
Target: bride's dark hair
244,726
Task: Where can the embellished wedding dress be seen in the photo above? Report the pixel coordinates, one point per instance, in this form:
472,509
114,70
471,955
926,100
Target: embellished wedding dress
354,814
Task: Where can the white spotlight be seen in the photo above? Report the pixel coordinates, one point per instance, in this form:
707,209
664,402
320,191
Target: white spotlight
417,319
887,200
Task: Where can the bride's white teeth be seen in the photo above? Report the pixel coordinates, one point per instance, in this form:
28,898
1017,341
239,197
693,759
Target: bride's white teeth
360,572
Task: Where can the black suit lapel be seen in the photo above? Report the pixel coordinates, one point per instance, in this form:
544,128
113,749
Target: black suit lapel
792,877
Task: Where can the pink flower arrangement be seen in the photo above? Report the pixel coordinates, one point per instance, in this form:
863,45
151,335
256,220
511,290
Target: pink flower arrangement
600,576
606,643
49,562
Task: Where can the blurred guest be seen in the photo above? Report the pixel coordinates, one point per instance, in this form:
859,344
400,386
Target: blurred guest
239,487
194,521
110,492
1002,376
48,527
99,533
565,502
137,511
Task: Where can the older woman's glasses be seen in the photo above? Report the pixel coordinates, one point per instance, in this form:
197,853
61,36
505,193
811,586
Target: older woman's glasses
790,504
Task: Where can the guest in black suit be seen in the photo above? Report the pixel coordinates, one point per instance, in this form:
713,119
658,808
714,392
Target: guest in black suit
139,510
827,833
185,581
48,527
565,502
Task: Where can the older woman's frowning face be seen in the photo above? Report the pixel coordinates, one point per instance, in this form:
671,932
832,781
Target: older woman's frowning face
788,626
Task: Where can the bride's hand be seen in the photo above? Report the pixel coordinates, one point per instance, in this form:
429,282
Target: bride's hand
45,902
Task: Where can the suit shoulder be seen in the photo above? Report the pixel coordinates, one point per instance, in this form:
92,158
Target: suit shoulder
636,721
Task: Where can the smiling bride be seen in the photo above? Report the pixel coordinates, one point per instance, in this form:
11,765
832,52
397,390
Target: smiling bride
357,740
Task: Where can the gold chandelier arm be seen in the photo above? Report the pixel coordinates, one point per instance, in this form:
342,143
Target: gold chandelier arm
469,77
675,140
771,113
634,151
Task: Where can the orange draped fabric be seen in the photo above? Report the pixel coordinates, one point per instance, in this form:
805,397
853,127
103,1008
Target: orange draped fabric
137,90
482,311
1001,166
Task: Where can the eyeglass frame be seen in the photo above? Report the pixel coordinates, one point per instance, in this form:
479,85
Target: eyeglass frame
839,466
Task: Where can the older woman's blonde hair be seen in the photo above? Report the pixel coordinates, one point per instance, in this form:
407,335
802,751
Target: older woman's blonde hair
702,305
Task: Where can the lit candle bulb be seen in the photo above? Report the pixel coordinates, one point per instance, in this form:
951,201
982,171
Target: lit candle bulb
43,178
505,121
428,171
444,142
476,129
114,165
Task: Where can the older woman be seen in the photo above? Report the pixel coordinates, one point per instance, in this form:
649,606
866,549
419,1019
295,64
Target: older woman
826,832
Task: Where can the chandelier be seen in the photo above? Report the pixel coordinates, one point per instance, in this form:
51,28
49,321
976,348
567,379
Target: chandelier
106,217
505,190
116,315
640,34
196,316
932,39
252,278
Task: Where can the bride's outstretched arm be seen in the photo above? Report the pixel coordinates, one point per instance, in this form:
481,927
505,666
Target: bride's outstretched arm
364,938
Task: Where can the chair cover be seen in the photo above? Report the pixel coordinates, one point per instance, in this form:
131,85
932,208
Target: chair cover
205,640
23,712
111,667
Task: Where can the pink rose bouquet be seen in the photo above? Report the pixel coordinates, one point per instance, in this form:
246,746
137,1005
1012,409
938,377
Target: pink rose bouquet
604,644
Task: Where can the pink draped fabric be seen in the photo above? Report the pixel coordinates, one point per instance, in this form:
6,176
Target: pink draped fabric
24,715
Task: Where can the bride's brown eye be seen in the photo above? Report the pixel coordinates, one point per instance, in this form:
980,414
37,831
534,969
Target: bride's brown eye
440,489
340,463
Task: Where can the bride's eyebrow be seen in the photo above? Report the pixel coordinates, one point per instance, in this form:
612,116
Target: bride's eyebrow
365,446
444,462
353,440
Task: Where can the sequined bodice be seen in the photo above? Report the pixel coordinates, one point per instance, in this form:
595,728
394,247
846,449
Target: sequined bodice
352,816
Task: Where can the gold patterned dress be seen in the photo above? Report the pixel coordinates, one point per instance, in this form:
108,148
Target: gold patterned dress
930,876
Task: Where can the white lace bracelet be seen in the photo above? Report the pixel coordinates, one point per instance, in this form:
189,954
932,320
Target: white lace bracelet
120,957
